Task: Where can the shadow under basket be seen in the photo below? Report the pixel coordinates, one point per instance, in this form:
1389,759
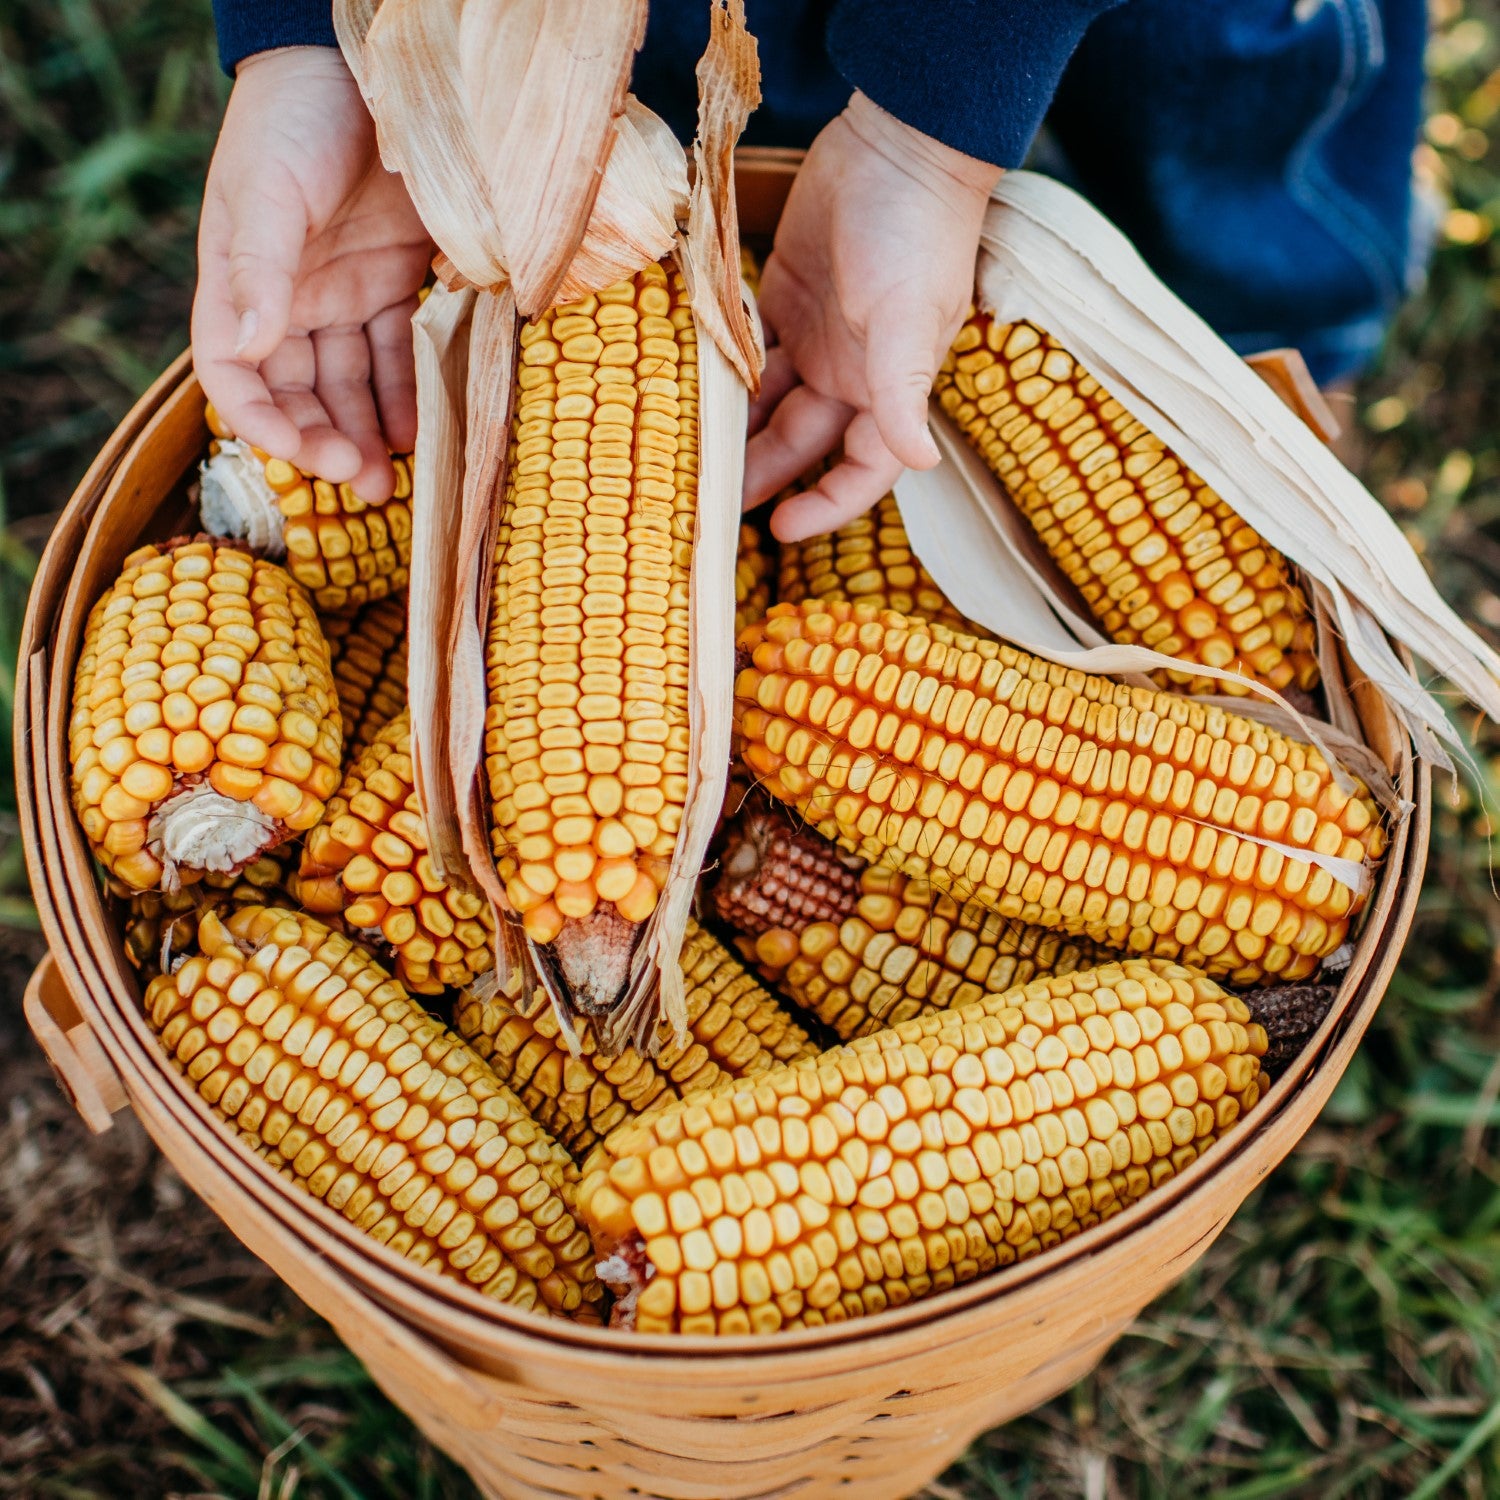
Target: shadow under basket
536,1407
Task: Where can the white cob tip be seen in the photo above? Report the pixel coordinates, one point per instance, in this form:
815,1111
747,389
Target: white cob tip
235,500
201,829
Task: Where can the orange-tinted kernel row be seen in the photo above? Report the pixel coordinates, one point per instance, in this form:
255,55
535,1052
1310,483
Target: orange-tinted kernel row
326,1067
921,1156
587,729
1159,557
367,861
1140,819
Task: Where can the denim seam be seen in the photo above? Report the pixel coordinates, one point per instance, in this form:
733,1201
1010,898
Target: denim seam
1338,214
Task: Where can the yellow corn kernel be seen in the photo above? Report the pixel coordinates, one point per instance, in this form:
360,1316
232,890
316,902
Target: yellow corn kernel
1140,819
367,861
923,1156
1161,560
368,652
205,727
866,561
412,1140
734,1029
588,639
752,578
863,947
344,550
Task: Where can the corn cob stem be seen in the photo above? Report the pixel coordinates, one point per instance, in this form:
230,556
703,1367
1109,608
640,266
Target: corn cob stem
205,729
920,1157
324,1066
1161,560
734,1029
1139,819
367,861
587,729
862,946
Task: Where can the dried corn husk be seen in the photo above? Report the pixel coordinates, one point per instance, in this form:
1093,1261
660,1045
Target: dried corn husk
1048,256
542,180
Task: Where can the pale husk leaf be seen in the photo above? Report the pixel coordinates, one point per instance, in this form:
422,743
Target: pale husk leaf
488,399
440,338
404,55
1050,257
728,90
557,201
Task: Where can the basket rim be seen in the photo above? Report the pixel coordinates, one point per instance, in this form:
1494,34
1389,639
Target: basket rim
42,781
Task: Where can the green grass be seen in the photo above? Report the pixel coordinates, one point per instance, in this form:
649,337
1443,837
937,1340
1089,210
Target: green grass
1341,1340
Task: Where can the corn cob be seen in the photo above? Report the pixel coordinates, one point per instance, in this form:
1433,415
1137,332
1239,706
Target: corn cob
752,579
325,1067
777,877
367,861
1136,818
205,729
866,561
868,947
345,551
587,728
160,925
735,1029
368,651
920,1157
1161,560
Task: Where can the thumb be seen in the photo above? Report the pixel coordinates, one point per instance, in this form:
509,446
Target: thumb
900,365
266,238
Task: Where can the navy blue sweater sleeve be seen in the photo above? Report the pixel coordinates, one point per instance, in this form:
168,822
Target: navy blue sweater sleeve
977,75
247,26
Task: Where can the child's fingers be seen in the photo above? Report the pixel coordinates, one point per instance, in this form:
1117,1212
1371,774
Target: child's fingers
236,389
900,364
805,427
291,375
394,374
777,379
866,472
267,231
342,386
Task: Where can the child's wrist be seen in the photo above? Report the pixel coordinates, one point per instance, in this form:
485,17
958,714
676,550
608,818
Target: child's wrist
914,152
305,61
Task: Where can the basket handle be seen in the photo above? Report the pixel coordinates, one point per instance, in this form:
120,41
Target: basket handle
81,1066
1285,371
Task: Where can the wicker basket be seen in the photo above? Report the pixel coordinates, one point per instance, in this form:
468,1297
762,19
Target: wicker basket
551,1409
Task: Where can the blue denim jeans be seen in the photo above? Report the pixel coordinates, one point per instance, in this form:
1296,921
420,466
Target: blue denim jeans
1259,154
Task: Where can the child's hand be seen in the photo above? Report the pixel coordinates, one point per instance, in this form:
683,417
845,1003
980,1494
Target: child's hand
871,276
310,256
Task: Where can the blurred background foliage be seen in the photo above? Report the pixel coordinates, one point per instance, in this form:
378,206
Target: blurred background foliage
1343,1337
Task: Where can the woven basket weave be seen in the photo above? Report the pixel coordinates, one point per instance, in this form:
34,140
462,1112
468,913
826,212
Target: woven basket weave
535,1408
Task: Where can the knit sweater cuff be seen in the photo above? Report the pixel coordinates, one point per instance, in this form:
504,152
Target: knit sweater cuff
250,26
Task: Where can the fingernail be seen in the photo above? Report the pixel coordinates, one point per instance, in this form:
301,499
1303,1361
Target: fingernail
249,322
930,444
